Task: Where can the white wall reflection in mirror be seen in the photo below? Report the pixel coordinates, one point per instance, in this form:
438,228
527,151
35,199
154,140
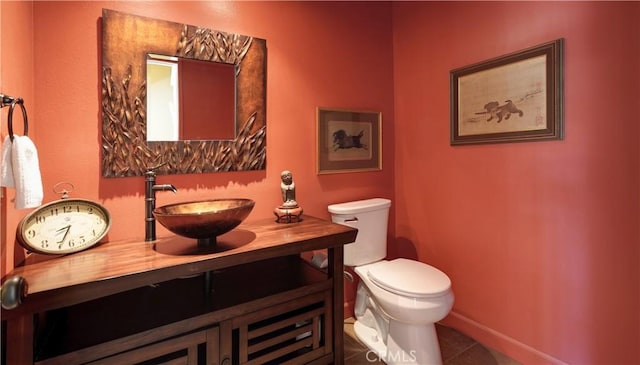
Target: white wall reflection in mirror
162,98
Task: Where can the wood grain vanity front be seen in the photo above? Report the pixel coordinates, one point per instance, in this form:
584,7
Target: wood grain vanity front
255,282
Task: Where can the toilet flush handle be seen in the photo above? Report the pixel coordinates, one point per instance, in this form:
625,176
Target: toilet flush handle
354,219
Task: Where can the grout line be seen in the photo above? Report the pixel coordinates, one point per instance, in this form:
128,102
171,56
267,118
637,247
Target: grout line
458,353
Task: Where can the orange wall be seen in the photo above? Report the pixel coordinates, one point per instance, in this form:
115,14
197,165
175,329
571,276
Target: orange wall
16,79
314,59
540,239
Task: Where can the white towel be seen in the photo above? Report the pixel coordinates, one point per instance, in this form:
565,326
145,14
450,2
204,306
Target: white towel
6,172
21,170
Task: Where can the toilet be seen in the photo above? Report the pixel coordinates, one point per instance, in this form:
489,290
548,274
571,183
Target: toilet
398,301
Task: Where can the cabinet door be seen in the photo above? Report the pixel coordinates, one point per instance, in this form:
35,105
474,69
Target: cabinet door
295,332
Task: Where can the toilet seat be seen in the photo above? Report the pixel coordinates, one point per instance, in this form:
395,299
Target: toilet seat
409,278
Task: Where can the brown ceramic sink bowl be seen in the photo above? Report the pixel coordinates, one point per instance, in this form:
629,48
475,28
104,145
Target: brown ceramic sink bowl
204,220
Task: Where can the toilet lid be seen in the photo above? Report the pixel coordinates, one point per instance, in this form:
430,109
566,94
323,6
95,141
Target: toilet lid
409,278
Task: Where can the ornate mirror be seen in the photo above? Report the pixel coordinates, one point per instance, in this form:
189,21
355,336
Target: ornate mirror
220,88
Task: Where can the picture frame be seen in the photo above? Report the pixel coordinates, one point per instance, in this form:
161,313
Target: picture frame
513,98
348,141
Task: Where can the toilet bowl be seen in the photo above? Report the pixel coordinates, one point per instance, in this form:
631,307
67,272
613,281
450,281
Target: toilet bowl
408,290
398,301
397,304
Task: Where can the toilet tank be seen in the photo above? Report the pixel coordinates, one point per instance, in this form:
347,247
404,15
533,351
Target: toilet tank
370,217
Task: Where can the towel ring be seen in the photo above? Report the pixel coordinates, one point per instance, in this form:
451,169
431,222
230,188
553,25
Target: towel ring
24,117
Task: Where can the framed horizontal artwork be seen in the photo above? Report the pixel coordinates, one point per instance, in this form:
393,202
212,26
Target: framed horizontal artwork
348,141
512,98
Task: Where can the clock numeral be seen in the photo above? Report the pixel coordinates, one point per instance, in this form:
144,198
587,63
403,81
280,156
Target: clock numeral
31,233
73,242
40,218
71,208
44,243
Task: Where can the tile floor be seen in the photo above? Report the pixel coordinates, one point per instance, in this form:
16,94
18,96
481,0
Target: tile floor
456,349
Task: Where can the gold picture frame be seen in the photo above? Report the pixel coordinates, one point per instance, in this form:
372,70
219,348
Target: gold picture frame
513,98
348,141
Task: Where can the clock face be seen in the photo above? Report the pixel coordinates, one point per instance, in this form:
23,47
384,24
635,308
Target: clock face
64,226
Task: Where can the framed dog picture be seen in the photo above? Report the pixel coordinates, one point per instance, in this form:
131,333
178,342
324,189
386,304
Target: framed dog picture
348,141
513,98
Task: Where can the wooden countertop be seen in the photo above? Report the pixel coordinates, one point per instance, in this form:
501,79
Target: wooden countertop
114,267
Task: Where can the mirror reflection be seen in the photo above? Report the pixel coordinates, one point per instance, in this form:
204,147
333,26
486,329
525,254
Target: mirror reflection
190,99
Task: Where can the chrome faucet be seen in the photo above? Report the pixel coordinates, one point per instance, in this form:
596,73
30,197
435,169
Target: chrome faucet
150,202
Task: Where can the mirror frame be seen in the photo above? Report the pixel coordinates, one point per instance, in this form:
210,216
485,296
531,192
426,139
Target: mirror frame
126,41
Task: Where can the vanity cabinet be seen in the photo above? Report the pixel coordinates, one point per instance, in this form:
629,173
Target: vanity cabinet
253,301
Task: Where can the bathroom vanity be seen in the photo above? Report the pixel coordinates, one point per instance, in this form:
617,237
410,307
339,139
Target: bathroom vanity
251,300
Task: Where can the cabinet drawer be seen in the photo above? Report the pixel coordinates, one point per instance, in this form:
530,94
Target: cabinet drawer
180,350
191,349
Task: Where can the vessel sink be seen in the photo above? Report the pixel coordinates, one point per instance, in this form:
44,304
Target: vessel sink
204,220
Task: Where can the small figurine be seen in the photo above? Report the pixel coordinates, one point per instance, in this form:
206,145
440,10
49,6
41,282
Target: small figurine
289,211
288,188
